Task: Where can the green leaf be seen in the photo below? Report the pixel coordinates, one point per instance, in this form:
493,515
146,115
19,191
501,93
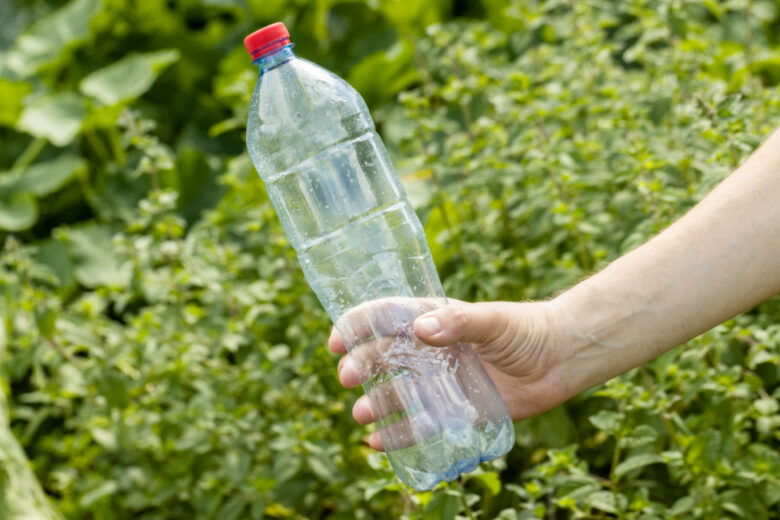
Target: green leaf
54,254
682,505
18,211
128,78
376,486
44,41
770,493
490,479
705,449
286,466
95,263
641,435
3,344
607,501
105,489
381,75
321,465
71,381
578,487
257,511
743,504
607,420
413,15
57,117
112,386
443,506
196,182
232,508
12,93
714,8
636,462
46,320
105,437
438,223
44,177
766,406
556,427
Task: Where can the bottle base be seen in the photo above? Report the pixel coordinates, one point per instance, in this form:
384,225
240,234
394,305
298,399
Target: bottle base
444,457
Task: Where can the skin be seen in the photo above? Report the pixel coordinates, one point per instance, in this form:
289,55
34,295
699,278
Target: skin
718,260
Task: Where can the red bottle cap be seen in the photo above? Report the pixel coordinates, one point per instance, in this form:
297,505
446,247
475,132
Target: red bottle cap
267,39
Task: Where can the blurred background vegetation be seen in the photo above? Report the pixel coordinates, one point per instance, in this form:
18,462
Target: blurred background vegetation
162,355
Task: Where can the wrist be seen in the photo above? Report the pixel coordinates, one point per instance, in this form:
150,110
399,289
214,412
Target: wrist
600,333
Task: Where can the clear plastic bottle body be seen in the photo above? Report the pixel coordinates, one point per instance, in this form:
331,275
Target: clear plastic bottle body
363,251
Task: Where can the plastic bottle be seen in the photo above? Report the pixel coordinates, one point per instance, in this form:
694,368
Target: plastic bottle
363,251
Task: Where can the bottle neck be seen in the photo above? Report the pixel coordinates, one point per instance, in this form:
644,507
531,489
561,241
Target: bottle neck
274,58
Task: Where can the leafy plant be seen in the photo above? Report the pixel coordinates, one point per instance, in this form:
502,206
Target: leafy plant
162,353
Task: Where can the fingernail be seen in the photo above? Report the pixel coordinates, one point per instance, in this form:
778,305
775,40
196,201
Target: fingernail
427,326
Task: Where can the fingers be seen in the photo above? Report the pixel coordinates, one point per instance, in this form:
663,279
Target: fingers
375,441
462,323
384,352
373,326
336,342
380,318
362,412
386,355
348,374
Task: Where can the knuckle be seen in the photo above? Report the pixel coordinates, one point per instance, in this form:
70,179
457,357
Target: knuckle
526,342
459,316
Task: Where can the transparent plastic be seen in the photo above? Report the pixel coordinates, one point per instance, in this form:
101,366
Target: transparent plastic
363,251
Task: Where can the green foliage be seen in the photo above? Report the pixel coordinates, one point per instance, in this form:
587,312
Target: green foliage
57,117
20,494
127,78
164,355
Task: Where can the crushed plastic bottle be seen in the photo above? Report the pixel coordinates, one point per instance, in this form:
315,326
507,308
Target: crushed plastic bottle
363,251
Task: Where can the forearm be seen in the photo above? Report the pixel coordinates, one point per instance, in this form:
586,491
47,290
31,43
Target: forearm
720,259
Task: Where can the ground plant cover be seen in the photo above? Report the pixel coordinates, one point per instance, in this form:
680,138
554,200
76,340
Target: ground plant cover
161,355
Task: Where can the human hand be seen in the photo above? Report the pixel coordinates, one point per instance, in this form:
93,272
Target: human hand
518,344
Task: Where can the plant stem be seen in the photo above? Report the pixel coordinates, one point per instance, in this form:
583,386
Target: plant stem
29,154
155,179
466,507
116,147
462,496
64,353
98,146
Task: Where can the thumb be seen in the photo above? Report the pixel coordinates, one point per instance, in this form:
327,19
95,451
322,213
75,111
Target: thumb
463,322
